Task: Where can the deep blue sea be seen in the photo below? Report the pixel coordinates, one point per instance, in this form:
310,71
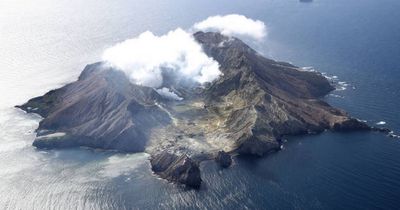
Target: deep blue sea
45,44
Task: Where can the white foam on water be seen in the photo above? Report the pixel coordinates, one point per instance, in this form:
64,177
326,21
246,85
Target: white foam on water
52,135
381,123
308,68
336,96
339,85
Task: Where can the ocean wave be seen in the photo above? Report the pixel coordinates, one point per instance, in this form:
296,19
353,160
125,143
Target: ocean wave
381,123
308,68
339,85
336,96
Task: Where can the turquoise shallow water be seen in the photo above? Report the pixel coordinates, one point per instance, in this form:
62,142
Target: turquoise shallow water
45,44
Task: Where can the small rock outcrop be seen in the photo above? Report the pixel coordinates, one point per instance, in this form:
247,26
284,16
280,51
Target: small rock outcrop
223,159
351,125
181,169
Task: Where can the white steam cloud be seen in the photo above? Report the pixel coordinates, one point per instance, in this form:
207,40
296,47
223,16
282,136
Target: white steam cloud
166,92
234,25
144,58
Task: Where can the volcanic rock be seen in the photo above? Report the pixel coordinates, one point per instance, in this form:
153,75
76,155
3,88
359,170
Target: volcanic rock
223,159
247,110
181,169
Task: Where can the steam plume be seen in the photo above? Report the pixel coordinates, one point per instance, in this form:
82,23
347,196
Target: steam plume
234,25
147,57
144,58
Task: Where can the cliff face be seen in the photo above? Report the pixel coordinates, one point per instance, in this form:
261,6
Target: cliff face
181,169
248,110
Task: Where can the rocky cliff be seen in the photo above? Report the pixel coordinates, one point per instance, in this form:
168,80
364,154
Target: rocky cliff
248,110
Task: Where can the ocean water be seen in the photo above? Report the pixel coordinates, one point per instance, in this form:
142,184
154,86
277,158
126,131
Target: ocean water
45,44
